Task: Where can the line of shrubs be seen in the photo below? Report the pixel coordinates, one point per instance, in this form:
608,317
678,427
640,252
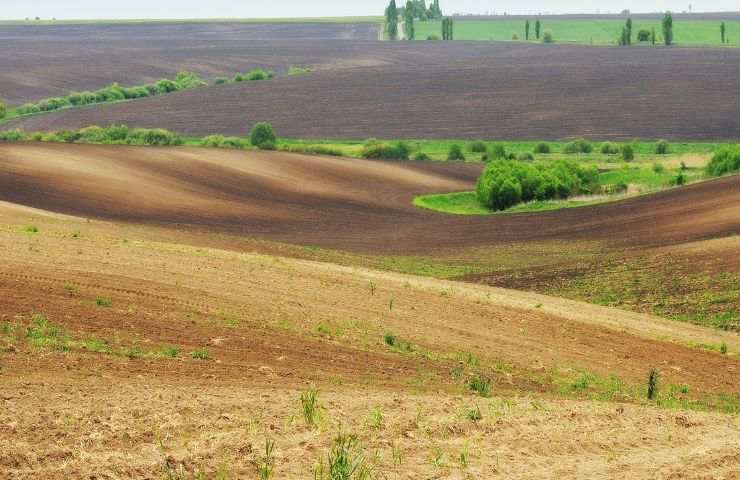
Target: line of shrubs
505,183
114,93
114,135
256,75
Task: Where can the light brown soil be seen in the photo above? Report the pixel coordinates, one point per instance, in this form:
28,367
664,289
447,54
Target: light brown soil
275,325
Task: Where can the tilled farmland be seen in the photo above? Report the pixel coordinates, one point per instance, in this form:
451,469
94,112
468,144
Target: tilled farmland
357,205
455,90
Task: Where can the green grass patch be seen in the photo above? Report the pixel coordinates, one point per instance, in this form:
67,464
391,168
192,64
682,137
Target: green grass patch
587,31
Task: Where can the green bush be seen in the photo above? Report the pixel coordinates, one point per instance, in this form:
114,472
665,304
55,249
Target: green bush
433,37
383,151
12,136
578,146
658,167
547,36
220,81
3,110
477,147
167,86
609,148
525,157
262,133
421,156
213,141
542,148
153,136
498,152
455,153
187,80
662,147
628,153
253,75
725,160
505,183
267,146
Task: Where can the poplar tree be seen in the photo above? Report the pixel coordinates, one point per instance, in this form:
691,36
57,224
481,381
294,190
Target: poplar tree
391,14
723,31
628,32
526,30
537,27
667,24
408,20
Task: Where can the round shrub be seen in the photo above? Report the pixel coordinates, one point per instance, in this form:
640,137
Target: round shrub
382,151
498,152
542,148
478,147
167,86
421,156
578,146
515,36
547,36
433,37
658,167
213,141
628,153
455,153
221,81
725,160
662,147
261,133
609,148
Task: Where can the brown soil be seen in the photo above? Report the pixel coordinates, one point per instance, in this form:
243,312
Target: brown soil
274,325
357,205
439,90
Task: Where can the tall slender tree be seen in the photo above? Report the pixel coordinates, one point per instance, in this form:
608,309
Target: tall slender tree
652,36
408,20
628,32
391,14
667,25
723,31
526,30
537,28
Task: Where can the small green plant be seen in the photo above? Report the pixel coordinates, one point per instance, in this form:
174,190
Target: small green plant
658,168
389,339
373,288
294,71
134,352
652,387
609,148
103,302
31,229
310,406
628,153
542,148
200,354
547,36
475,415
377,420
41,333
171,352
345,461
723,348
662,147
480,385
478,146
455,153
267,462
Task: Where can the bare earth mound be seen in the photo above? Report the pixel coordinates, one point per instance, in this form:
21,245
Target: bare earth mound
357,205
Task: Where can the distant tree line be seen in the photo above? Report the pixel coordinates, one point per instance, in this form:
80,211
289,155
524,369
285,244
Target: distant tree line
412,11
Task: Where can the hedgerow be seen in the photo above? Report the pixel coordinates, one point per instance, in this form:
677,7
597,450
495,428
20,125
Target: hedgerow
386,151
115,134
505,183
114,93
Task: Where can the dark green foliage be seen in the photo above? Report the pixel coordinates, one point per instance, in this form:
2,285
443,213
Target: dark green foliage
421,156
391,19
652,36
386,151
498,152
643,35
667,24
448,29
578,146
256,75
313,150
542,148
153,136
186,80
662,147
115,134
537,27
547,36
652,387
525,157
478,147
262,133
505,183
3,110
628,31
723,32
628,153
408,20
455,153
725,160
679,180
221,81
526,30
609,148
